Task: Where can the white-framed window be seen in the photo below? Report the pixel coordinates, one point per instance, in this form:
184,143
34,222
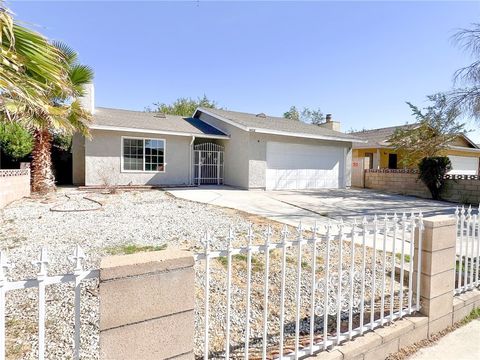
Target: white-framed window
143,154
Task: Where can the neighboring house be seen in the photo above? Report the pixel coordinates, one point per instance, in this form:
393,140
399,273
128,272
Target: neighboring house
376,152
250,151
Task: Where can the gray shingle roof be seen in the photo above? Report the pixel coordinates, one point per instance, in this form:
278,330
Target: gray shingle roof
378,137
277,124
151,121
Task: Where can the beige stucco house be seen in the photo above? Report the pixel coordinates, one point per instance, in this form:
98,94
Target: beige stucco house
377,153
249,151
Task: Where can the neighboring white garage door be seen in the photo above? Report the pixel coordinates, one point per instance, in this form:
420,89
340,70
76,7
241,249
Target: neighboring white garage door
297,166
464,165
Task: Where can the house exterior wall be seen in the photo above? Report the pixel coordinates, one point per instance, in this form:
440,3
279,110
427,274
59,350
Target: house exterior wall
383,160
78,159
246,154
103,160
236,157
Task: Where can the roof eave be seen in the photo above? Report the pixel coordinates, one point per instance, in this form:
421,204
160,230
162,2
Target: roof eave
220,117
152,131
304,135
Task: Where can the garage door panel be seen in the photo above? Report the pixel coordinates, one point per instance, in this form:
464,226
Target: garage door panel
298,166
464,165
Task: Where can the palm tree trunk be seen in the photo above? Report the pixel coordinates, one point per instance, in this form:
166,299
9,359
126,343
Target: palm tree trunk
43,180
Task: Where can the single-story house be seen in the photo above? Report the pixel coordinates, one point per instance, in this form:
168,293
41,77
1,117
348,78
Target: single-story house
377,153
249,151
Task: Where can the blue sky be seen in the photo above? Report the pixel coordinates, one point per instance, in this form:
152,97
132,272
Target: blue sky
358,60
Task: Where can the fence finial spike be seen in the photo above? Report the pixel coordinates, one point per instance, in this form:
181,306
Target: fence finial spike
268,234
315,228
364,221
206,241
231,236
404,217
42,262
469,210
420,220
285,234
250,234
462,211
375,218
4,264
77,257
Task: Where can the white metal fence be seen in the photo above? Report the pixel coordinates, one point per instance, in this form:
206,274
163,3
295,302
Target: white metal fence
341,286
41,281
467,250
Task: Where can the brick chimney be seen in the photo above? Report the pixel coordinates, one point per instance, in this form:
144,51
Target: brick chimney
88,99
330,123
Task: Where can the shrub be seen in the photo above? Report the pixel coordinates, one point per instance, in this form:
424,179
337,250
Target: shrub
15,140
432,173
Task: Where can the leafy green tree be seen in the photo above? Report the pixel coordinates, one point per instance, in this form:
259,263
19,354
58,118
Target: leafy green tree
432,173
466,96
436,127
312,116
307,115
15,140
183,106
292,113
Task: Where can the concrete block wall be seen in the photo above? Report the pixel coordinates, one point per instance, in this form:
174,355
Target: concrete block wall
455,190
147,306
398,183
14,185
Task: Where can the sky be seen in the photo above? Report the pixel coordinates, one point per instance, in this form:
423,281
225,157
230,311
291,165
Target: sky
360,61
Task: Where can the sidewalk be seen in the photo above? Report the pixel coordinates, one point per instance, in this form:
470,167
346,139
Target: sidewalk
461,344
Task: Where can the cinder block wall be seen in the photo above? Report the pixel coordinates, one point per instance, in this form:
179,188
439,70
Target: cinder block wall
14,184
398,183
147,306
456,190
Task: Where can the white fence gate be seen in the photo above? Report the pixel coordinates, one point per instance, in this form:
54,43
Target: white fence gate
208,164
320,287
468,250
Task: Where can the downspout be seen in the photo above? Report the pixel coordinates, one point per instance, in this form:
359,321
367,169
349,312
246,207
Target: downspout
190,165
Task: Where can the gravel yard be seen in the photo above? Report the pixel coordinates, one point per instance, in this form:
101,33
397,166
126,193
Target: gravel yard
140,218
110,223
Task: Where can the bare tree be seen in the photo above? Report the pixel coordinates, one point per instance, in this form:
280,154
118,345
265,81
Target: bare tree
466,95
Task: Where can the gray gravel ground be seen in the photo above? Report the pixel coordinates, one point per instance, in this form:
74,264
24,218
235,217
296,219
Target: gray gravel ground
142,218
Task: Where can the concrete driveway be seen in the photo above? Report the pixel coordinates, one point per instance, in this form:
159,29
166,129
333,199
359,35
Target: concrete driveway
290,207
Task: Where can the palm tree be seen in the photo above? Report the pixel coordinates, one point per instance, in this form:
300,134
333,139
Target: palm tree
40,87
66,116
27,59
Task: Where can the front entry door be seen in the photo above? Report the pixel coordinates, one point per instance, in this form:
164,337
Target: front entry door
208,164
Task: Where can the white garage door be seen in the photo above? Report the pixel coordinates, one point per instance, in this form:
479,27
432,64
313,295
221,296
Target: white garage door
297,166
464,165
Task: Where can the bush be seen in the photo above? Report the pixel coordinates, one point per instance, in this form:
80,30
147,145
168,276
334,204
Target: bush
432,173
15,140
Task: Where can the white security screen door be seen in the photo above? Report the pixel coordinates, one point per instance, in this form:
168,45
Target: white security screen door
299,166
464,165
208,164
